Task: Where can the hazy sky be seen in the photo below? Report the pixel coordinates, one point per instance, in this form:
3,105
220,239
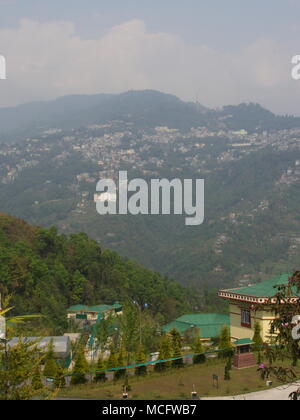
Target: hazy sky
219,51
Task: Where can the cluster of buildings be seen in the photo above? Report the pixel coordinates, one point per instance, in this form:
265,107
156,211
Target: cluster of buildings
247,306
118,145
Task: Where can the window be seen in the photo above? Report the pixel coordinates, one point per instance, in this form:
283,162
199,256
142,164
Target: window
246,319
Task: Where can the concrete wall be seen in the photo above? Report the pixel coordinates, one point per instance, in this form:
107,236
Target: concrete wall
237,331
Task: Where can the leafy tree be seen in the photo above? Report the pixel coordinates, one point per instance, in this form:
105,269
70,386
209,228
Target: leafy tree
285,329
80,369
130,328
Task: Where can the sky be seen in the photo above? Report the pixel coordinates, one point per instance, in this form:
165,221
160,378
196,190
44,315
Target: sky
214,51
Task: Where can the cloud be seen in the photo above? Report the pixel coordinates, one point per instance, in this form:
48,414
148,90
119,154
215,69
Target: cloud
46,60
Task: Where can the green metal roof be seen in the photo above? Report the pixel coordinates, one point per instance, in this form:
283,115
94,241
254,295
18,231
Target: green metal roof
97,308
243,342
209,324
265,289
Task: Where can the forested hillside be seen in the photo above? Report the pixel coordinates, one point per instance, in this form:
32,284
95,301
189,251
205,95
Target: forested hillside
46,272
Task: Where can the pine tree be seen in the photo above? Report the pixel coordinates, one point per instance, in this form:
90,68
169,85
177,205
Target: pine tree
80,369
112,362
229,363
176,337
36,381
259,359
199,352
178,363
59,380
225,343
121,373
164,353
50,369
227,374
100,376
257,339
141,370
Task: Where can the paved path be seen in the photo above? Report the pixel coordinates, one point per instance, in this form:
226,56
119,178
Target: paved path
273,394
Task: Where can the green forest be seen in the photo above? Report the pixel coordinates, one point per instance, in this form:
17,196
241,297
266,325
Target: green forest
46,272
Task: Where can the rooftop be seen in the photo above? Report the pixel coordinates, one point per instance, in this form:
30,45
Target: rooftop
96,308
257,293
209,324
243,342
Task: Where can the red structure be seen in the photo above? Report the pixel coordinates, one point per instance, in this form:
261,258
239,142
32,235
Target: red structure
244,358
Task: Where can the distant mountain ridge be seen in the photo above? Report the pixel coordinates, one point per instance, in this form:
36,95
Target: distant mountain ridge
143,108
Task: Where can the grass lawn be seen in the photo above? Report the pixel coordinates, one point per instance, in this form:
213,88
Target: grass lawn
176,384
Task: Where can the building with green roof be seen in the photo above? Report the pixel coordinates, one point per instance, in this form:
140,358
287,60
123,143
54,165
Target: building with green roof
209,324
93,314
251,305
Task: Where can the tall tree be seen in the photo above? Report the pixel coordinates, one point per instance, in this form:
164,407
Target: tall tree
80,369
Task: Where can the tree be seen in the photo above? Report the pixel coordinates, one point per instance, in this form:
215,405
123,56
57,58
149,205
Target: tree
50,369
257,339
100,374
227,376
130,329
103,329
18,372
199,351
178,363
121,373
165,352
286,328
20,364
176,337
225,346
141,370
80,369
36,381
59,380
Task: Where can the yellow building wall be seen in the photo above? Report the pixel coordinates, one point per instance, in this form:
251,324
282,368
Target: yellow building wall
237,331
